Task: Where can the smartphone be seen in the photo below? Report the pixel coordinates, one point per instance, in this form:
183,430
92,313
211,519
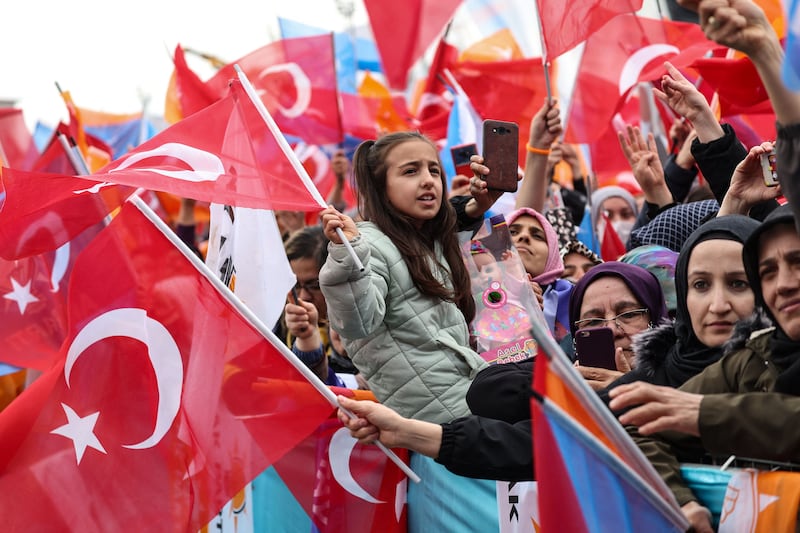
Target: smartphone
769,168
501,154
595,347
461,155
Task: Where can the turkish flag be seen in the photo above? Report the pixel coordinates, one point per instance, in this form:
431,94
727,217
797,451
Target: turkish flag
224,153
404,30
17,148
166,401
43,211
737,83
611,247
627,50
343,485
33,311
505,90
33,316
563,27
296,80
432,110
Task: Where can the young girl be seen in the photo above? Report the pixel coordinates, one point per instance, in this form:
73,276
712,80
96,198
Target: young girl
403,319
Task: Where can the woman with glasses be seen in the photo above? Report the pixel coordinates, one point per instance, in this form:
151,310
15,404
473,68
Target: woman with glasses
626,298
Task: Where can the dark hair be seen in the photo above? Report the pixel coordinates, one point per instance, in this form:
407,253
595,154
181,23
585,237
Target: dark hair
308,242
415,245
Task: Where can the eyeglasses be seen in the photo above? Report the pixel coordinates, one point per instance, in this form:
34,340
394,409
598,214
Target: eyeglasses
310,286
628,318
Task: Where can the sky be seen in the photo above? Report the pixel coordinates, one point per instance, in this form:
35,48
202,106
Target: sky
110,55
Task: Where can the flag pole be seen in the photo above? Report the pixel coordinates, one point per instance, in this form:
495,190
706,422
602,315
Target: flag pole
258,324
291,156
75,158
545,61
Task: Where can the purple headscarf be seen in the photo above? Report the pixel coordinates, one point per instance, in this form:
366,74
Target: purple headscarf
644,286
554,266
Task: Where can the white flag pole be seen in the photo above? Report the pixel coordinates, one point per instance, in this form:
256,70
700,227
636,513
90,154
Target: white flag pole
291,156
258,324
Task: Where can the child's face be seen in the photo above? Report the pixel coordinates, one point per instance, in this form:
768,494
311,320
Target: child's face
414,180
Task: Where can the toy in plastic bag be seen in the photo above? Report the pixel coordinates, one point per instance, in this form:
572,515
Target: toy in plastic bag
504,300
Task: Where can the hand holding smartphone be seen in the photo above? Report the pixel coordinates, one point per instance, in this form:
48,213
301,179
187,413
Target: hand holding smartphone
501,154
595,347
769,168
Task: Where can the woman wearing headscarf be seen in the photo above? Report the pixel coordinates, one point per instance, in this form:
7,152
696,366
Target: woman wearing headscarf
746,404
537,244
626,297
712,295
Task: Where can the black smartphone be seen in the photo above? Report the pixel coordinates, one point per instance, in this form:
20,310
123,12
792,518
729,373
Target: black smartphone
461,155
501,154
595,347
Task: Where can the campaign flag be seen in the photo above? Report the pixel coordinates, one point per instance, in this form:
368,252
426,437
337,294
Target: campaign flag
515,16
627,50
343,485
43,211
120,132
296,80
374,110
162,382
563,29
17,148
404,30
585,487
586,232
224,153
791,62
761,502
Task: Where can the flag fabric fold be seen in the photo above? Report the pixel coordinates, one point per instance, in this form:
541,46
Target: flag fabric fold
161,382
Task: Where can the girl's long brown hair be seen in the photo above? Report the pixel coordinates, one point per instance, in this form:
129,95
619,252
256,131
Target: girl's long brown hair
415,245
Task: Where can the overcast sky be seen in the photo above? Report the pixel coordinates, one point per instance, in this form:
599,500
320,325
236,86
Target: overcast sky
108,54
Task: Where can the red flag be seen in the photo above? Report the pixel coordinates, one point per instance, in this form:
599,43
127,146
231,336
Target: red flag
505,90
33,311
404,30
33,319
17,148
432,110
616,58
736,82
563,29
296,79
343,485
224,153
43,211
166,401
611,246
191,92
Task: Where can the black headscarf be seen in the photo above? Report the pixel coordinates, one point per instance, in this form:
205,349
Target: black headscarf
785,352
689,356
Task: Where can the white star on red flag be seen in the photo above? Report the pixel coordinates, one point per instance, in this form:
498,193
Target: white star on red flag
80,430
21,294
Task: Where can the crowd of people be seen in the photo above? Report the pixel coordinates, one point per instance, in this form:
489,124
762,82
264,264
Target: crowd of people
703,305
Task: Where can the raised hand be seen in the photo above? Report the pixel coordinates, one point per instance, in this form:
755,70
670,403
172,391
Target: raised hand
747,186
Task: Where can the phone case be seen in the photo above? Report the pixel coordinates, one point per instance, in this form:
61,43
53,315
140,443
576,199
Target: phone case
769,169
461,155
501,154
595,347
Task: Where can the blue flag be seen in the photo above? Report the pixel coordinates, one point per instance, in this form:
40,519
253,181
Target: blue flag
791,62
